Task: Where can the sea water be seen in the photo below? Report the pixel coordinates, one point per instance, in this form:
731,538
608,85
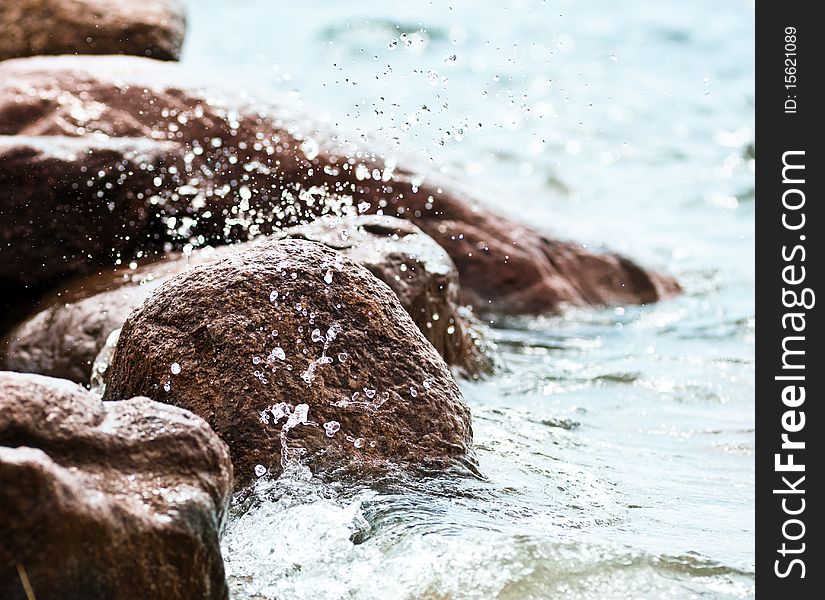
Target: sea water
616,445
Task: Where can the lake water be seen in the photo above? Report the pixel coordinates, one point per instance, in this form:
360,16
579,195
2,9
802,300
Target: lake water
616,444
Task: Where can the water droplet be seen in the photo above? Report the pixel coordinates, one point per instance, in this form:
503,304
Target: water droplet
310,148
451,330
167,386
256,360
316,336
273,295
260,470
358,443
362,172
278,352
328,277
175,368
342,357
331,428
369,393
413,393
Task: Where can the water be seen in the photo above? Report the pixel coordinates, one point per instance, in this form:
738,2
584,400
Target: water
617,444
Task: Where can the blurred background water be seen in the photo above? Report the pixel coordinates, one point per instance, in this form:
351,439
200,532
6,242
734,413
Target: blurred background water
617,444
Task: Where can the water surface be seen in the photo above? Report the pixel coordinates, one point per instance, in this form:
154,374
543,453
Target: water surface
616,444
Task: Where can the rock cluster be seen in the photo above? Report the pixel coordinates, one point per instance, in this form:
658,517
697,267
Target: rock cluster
63,338
103,500
291,350
221,170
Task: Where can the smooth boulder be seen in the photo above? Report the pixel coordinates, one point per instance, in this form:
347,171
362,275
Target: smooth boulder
240,166
151,28
107,500
293,352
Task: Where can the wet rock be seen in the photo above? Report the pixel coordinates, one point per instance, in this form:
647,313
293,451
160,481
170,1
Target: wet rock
68,202
107,500
152,28
292,351
239,168
420,273
64,337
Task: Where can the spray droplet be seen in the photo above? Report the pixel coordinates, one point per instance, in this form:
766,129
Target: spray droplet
331,428
310,148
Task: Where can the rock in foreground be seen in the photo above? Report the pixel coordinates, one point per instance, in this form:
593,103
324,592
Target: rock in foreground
107,500
151,28
290,350
235,169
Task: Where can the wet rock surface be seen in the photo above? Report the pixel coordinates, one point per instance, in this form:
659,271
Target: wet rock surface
151,28
64,337
104,500
238,168
68,202
291,351
420,273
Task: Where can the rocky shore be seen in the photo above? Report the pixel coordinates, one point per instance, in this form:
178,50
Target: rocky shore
283,293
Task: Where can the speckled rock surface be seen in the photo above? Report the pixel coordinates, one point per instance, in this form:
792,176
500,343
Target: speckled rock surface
63,338
240,165
152,28
107,500
291,351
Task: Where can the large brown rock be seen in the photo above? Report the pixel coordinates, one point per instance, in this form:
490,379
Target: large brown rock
241,168
107,500
291,350
420,273
152,28
67,202
63,338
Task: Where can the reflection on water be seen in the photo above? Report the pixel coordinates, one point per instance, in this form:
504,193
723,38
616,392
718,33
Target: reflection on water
615,445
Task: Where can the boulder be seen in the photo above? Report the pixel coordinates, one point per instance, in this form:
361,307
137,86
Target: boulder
240,166
67,202
71,325
70,329
152,28
420,273
107,500
291,352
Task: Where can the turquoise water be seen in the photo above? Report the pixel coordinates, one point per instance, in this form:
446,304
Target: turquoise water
616,444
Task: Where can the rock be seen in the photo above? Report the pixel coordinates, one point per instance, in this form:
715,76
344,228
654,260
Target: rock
152,28
68,202
242,167
420,273
290,350
64,337
72,325
107,500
